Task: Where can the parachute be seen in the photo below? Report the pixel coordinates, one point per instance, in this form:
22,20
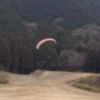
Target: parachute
41,42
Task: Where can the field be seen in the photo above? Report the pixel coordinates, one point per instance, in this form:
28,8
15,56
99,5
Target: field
45,85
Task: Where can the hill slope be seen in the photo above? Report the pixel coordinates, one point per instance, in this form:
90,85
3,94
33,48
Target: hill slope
75,13
10,20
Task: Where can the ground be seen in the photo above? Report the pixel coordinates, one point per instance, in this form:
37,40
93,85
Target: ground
45,85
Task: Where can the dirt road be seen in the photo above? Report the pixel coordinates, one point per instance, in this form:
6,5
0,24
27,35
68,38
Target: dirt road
46,85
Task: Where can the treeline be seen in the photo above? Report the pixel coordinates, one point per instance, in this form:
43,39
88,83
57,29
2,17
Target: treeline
15,53
18,53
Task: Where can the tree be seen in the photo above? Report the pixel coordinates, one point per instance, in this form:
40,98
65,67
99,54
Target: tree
93,60
15,58
5,54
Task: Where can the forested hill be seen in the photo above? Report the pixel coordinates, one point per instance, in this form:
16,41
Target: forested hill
75,24
10,20
75,13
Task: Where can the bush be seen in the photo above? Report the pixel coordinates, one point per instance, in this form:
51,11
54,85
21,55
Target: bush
3,78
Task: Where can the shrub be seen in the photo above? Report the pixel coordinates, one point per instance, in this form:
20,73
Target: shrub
3,78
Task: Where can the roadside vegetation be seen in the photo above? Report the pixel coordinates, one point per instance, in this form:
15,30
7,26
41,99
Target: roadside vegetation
3,78
90,83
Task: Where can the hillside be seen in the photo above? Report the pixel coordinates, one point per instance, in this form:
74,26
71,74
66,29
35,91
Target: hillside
75,13
10,20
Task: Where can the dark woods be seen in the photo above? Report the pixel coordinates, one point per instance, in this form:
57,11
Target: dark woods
16,53
19,55
92,61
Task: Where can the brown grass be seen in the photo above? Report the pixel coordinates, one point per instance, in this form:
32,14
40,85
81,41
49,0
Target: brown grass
44,85
90,83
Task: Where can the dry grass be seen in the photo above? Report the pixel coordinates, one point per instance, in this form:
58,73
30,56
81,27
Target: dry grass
44,85
90,83
3,78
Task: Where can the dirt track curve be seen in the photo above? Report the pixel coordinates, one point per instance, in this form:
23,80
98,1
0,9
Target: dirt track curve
46,85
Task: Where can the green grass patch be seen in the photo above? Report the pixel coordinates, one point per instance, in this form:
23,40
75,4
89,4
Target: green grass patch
90,83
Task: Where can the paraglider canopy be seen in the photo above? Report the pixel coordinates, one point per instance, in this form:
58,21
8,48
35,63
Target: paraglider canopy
41,42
